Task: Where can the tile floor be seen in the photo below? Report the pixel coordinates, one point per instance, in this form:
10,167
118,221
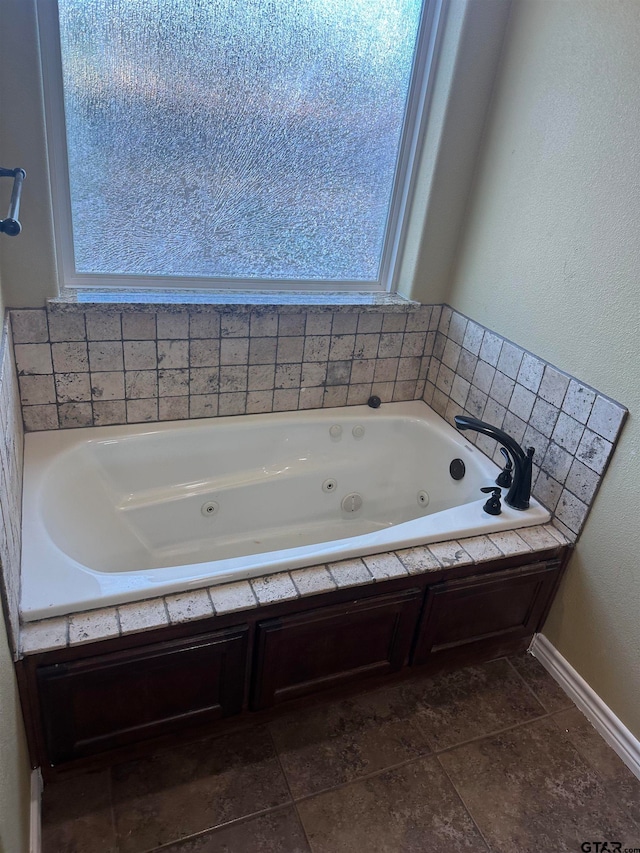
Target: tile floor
492,757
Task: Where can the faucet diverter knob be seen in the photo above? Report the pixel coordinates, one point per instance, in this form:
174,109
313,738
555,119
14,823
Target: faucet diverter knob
493,505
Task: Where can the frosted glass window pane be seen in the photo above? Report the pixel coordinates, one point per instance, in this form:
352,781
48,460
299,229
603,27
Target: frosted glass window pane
234,138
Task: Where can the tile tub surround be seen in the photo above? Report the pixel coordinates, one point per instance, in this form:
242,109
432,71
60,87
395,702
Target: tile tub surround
94,365
138,616
573,427
11,450
101,364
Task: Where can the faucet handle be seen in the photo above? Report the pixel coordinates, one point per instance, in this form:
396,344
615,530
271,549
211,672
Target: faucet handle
492,506
505,478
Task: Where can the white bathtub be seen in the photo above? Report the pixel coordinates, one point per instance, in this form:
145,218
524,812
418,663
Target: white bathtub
115,514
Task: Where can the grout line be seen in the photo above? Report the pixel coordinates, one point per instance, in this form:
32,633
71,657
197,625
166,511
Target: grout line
112,810
277,755
464,805
495,732
429,754
303,827
213,829
286,779
528,686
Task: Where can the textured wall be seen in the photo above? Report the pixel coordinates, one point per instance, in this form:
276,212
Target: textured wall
550,259
466,71
27,263
14,763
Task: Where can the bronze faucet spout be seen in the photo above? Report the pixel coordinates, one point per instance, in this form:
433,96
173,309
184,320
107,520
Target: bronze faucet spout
519,494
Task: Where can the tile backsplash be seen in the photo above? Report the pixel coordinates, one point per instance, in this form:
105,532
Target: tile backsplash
11,449
96,367
573,428
80,366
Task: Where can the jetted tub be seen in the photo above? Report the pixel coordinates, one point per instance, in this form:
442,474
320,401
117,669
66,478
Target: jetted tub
115,514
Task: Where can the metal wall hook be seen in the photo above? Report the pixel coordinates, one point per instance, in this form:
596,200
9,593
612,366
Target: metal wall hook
11,226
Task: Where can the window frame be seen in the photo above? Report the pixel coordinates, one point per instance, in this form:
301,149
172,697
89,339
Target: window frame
429,37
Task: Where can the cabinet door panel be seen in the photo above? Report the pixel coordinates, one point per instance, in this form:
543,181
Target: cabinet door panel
322,648
506,605
107,701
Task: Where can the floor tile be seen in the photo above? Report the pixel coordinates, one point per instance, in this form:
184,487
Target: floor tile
548,692
550,783
529,790
615,775
76,815
412,808
472,702
276,832
195,787
341,741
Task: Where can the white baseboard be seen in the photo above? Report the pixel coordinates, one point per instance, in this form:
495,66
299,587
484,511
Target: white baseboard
616,734
35,813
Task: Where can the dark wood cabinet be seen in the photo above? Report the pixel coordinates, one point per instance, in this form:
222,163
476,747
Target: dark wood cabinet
103,702
318,649
489,608
87,704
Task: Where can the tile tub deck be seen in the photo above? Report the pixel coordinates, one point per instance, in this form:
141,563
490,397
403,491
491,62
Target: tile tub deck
163,611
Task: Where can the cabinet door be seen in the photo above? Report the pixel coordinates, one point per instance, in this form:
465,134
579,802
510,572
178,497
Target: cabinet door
322,648
102,702
503,606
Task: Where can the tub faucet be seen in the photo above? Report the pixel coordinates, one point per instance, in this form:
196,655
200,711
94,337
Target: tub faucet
520,491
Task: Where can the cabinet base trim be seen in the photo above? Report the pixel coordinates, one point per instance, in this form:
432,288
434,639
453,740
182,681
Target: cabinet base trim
599,714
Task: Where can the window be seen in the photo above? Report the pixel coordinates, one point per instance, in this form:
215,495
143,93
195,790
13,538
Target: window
261,144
